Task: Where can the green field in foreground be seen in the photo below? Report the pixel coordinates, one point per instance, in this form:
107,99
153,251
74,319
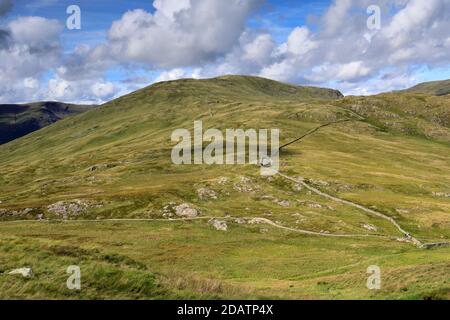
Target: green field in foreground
156,260
113,162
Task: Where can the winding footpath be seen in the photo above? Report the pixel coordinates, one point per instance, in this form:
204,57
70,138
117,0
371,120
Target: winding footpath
249,221
407,236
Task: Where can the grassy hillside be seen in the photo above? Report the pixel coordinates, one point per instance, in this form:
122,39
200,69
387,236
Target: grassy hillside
410,114
113,162
17,120
435,88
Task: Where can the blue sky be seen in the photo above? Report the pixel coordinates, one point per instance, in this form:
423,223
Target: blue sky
277,16
125,45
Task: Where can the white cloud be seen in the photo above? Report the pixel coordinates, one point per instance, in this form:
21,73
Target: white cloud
334,19
103,90
35,31
338,52
31,83
169,8
31,49
417,15
173,74
259,50
299,41
281,71
91,91
180,33
60,89
339,72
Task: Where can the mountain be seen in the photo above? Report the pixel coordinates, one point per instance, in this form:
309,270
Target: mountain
435,88
367,185
17,120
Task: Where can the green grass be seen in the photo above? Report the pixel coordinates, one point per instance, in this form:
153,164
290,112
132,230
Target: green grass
392,156
437,88
157,260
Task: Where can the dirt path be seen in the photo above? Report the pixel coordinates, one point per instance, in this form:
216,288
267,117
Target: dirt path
270,222
407,235
258,220
249,221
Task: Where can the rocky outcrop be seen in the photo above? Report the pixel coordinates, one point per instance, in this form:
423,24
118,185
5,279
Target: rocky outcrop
73,208
223,180
369,227
184,210
283,203
206,194
245,185
218,224
16,213
24,272
240,221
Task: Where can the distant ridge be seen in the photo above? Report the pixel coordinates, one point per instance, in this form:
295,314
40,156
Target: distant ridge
17,120
435,88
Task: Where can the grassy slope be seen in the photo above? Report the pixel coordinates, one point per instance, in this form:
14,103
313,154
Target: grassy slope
436,88
371,162
191,260
17,120
412,114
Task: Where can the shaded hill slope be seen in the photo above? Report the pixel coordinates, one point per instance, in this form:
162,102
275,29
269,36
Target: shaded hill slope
17,120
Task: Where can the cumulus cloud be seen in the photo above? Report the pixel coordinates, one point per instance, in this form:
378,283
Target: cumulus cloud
88,91
171,75
35,32
334,19
32,49
339,72
103,90
180,33
340,52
